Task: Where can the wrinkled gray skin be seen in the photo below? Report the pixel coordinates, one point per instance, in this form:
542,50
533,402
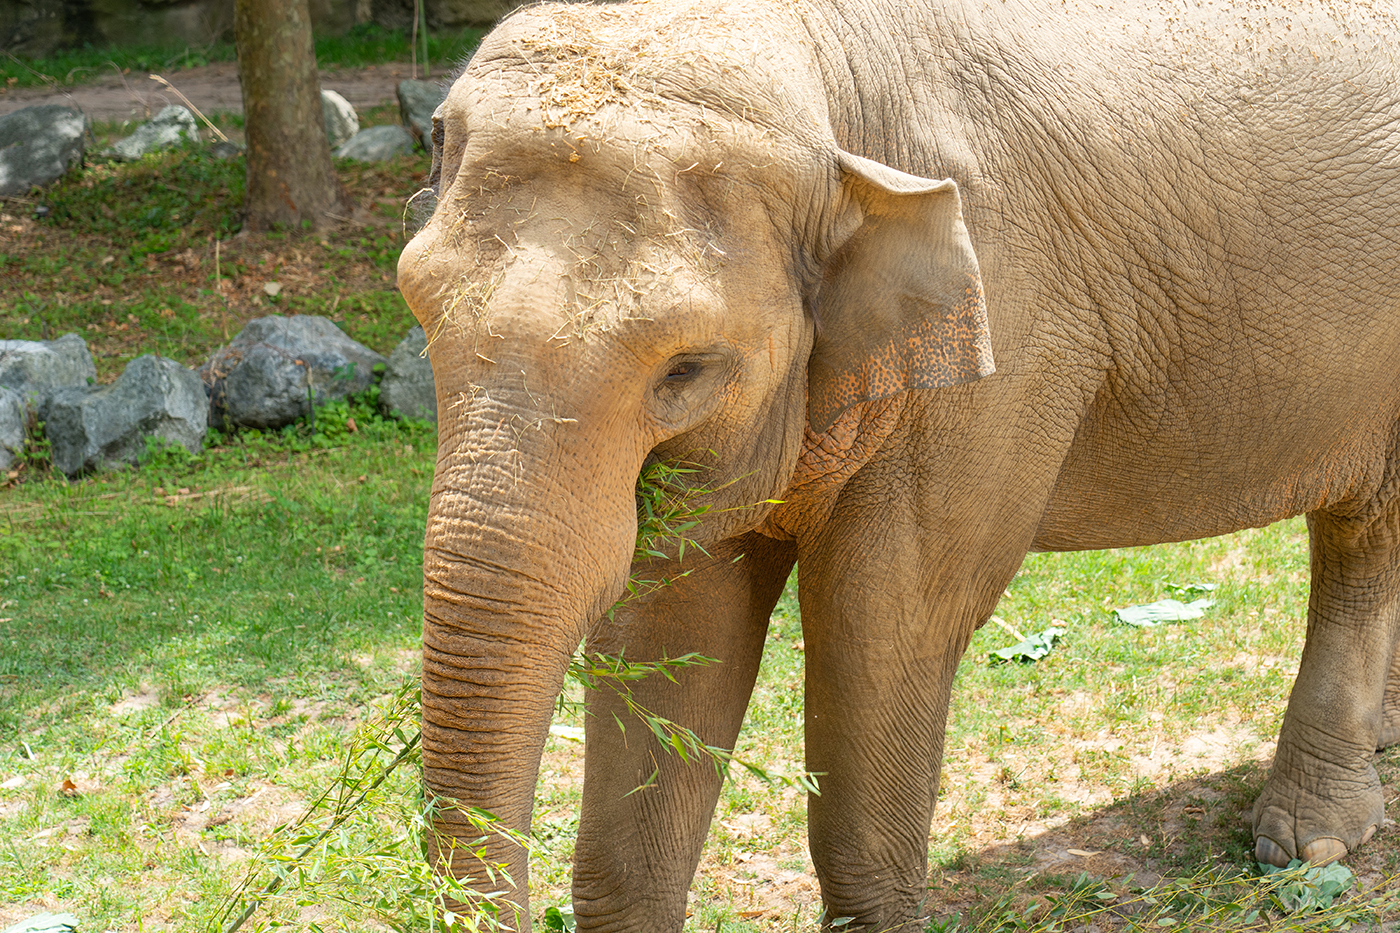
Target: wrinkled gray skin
718,233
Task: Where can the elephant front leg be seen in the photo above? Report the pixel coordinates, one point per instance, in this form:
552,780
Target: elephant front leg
884,626
646,812
1323,797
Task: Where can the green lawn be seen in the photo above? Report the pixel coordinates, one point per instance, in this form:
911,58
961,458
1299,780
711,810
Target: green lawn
191,647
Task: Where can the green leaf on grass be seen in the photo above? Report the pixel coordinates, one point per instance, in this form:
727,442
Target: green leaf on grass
1313,889
1163,610
46,923
1031,649
560,919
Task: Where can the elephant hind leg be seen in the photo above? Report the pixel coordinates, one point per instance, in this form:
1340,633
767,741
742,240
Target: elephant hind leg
1323,797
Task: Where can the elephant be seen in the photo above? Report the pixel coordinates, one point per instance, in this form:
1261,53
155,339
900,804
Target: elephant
920,288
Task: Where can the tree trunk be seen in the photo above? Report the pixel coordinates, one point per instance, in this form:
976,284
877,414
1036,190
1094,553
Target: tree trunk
290,176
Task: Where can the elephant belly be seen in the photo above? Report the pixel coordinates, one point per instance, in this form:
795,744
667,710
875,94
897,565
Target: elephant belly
1122,487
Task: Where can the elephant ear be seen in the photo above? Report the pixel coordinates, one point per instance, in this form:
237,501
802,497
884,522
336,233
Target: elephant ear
900,304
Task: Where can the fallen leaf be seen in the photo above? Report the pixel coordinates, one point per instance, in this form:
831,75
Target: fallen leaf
46,923
1164,610
13,782
1083,853
751,914
350,426
1144,840
272,289
1032,648
68,788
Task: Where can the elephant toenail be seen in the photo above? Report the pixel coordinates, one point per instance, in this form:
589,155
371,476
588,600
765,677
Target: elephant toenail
1323,850
1370,831
1268,852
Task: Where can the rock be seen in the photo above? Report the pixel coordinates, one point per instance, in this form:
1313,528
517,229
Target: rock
92,427
407,389
13,415
223,149
34,368
172,126
38,145
376,144
260,380
341,120
417,101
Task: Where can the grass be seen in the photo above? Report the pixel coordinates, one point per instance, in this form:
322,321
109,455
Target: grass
185,670
186,639
188,651
366,44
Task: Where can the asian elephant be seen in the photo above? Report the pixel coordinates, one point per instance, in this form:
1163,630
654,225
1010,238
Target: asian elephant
951,280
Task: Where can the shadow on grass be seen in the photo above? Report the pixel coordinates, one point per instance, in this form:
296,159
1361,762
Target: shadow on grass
1183,830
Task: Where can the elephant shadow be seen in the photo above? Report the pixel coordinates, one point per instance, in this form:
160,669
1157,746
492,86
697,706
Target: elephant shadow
1163,834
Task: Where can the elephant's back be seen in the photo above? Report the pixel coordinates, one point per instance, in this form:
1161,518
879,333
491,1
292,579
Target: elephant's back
1199,200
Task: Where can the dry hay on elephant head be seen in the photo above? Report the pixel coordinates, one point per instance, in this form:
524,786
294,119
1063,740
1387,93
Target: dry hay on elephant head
586,57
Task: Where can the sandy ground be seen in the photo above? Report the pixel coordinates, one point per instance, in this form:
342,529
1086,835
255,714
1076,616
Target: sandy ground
213,88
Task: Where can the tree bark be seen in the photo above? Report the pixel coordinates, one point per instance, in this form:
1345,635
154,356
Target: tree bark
290,176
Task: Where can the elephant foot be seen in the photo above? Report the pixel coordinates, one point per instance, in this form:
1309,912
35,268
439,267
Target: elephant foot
1320,851
1317,823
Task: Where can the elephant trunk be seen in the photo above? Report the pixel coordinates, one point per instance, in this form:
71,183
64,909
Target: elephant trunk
486,712
522,553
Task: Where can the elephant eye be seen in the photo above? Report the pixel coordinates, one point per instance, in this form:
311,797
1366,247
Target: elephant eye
682,370
686,372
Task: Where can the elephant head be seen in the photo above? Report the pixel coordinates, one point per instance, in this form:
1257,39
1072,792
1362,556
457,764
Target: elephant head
647,244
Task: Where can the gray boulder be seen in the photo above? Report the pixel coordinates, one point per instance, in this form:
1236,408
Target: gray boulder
417,101
34,368
341,119
223,150
172,126
376,143
38,145
13,415
407,389
266,376
92,427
